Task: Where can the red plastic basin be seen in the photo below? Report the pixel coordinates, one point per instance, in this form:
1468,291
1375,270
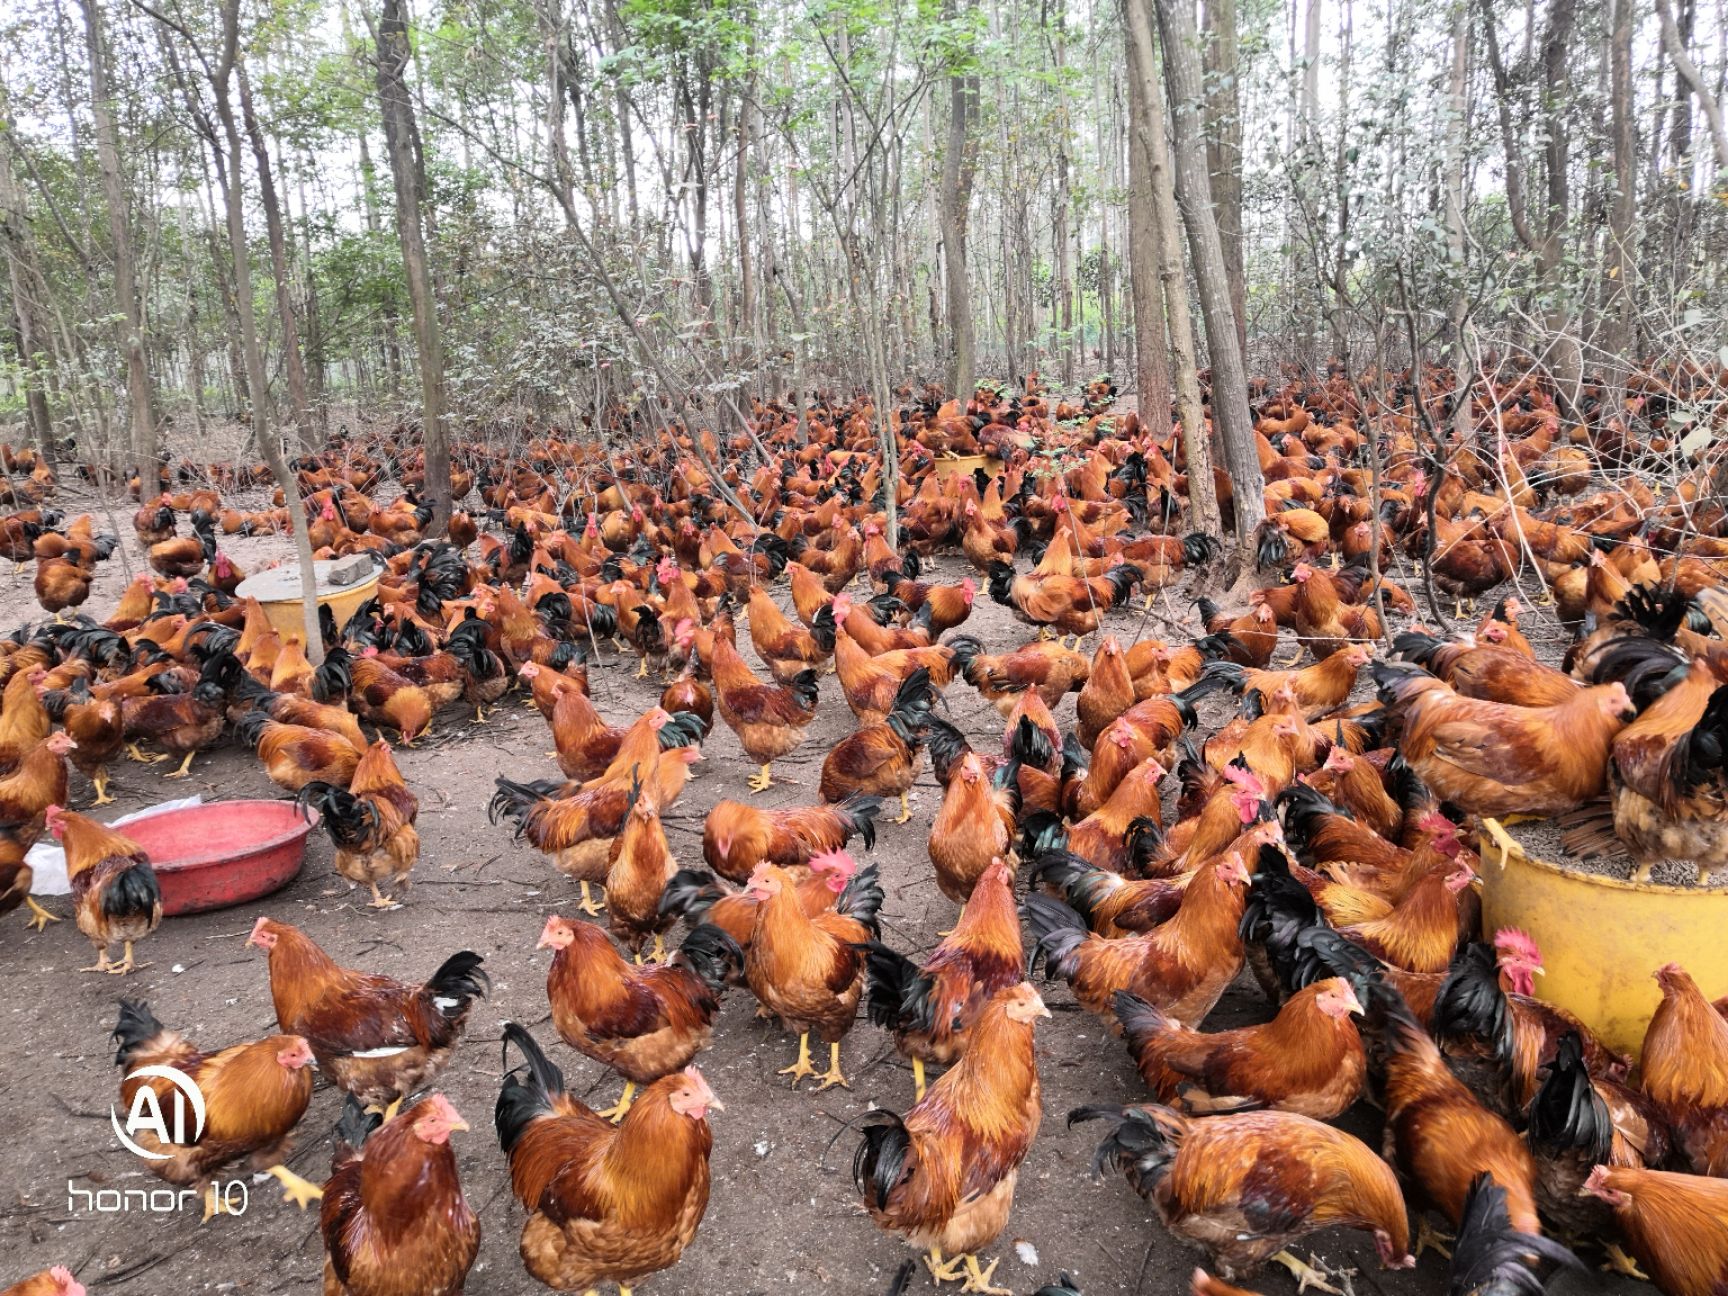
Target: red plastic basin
223,853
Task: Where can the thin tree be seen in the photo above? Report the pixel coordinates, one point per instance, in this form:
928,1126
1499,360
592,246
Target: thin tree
402,143
959,165
1688,73
1235,427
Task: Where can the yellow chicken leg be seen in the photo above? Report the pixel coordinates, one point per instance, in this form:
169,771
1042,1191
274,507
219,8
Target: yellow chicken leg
1428,1236
102,964
658,953
801,1068
833,1075
295,1189
185,769
762,780
1509,849
978,1280
905,810
1621,1263
642,670
941,1270
212,1204
42,917
1307,1275
125,964
620,1109
589,905
918,1078
136,753
100,780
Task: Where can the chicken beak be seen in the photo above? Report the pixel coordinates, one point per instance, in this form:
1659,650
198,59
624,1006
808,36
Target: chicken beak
714,1104
458,1126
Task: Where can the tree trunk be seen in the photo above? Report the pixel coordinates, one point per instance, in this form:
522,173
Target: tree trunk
1688,72
1151,363
959,159
1224,149
397,107
1622,244
292,363
1211,277
27,301
1457,105
1153,152
387,313
140,399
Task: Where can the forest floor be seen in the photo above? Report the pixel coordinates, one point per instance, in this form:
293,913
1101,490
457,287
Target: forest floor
783,1213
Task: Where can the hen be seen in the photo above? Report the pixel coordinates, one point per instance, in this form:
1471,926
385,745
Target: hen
736,836
254,1095
371,822
882,759
115,895
1685,1071
604,1204
1675,1224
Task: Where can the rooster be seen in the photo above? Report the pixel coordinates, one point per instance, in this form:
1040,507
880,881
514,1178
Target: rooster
1074,605
943,1176
882,759
375,1037
371,822
736,836
769,720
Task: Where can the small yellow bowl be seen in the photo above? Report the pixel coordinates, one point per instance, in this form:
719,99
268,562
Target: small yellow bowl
1603,939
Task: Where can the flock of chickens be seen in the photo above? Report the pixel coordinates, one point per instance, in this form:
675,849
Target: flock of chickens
1316,835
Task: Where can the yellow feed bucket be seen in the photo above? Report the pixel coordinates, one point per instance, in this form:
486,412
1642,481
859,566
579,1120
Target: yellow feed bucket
1603,939
278,593
967,464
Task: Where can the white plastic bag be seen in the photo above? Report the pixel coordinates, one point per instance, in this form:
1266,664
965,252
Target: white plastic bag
48,858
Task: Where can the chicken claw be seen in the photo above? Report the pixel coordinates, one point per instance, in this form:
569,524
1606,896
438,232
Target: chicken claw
296,1189
918,1078
978,1280
1429,1236
1307,1275
801,1068
941,1270
833,1075
620,1109
1509,849
100,782
589,905
102,964
642,670
213,1204
379,900
1621,1263
185,770
905,810
41,917
136,753
763,779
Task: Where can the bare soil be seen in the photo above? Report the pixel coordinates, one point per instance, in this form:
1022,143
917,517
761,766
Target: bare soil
783,1214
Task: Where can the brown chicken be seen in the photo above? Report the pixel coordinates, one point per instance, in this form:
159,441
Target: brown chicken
788,649
736,836
943,1176
376,1038
638,867
1071,604
39,781
1245,1188
1182,967
1675,1224
183,724
1685,1071
605,1203
1308,1059
882,759
388,698
295,756
1489,758
57,1281
115,895
974,826
97,728
1324,622
1316,689
371,822
254,1095
1048,669
808,969
643,1022
768,719
931,1008
393,1205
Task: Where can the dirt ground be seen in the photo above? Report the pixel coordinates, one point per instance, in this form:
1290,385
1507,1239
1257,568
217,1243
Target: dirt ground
783,1213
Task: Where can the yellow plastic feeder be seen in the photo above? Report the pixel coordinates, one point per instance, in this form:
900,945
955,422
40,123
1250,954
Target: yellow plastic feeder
951,465
1603,939
278,593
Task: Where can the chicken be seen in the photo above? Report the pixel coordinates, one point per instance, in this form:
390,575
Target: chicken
1245,1188
1073,605
943,1176
115,895
1437,1135
1487,671
1107,693
1685,1071
788,649
1324,622
96,727
1317,688
643,1022
949,605
870,681
376,1038
371,822
390,699
1676,1225
1491,1257
882,759
1489,758
639,865
254,1095
1046,668
736,836
1182,967
57,1281
974,826
808,969
604,1204
24,720
393,1205
1308,1059
295,756
39,781
184,724
931,1008
1423,931
769,720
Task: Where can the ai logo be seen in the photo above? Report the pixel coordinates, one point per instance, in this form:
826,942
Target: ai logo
147,1114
